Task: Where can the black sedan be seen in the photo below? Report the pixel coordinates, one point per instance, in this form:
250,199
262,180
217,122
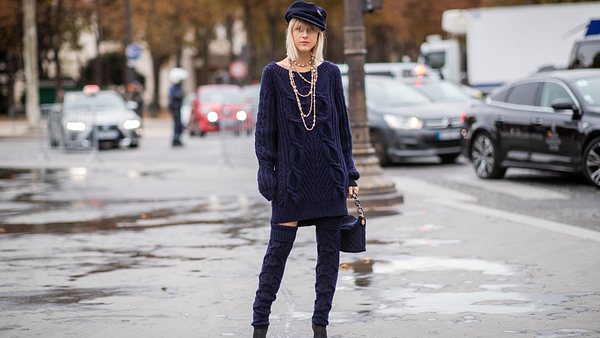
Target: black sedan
404,123
548,121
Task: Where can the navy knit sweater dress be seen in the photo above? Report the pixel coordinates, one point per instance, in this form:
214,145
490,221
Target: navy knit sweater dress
305,174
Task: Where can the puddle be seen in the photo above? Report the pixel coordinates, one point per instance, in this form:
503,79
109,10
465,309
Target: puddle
56,296
399,292
442,263
563,333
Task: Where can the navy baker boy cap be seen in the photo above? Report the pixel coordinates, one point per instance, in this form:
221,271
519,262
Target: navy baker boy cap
309,12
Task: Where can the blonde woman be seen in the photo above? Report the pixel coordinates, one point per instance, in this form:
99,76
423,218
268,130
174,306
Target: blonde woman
304,150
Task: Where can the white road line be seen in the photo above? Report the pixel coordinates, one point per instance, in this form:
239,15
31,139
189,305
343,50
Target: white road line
458,200
517,190
522,219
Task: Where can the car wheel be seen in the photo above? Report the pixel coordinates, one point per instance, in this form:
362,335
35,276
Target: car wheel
202,133
591,160
380,148
484,154
448,158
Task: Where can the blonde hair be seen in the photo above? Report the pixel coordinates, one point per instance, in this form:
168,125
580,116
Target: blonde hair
292,52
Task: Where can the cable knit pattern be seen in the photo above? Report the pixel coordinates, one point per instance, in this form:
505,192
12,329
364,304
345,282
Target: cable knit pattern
328,262
305,174
269,280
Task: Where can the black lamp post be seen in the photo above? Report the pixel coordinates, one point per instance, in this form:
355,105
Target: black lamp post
375,188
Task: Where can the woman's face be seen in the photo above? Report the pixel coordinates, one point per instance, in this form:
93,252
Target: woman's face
305,37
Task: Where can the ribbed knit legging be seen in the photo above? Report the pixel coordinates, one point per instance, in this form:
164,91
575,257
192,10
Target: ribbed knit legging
328,259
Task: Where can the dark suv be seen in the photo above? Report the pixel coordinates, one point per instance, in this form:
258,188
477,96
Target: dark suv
548,121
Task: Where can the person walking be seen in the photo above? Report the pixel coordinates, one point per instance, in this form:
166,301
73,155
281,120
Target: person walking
176,76
304,148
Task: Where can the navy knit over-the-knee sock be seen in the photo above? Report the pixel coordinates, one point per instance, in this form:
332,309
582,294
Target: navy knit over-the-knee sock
328,261
280,245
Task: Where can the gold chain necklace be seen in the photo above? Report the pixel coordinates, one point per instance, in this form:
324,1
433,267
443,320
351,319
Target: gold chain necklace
312,93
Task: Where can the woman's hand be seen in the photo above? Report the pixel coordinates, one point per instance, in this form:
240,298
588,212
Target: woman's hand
352,190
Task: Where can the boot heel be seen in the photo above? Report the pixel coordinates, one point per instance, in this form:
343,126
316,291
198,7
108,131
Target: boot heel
319,331
260,332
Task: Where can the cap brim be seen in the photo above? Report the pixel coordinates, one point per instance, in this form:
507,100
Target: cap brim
308,20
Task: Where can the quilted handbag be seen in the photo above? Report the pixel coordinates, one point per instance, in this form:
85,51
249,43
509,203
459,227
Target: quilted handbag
354,230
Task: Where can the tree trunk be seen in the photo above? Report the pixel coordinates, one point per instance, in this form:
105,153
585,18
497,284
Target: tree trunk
30,58
56,47
157,62
249,23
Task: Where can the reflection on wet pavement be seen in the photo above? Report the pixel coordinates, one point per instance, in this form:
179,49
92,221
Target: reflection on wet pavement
151,260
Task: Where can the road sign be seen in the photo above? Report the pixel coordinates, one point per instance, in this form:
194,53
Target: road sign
238,69
133,51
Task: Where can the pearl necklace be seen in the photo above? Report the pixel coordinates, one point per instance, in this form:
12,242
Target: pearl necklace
311,93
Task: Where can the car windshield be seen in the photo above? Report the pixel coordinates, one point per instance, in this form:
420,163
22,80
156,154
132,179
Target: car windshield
590,90
441,91
100,102
229,95
391,93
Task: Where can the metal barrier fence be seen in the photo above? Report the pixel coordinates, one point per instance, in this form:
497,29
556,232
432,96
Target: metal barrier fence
61,132
236,131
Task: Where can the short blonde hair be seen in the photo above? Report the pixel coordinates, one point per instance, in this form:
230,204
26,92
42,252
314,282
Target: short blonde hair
292,52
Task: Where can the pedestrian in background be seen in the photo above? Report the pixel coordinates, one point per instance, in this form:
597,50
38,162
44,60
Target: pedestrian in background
134,93
176,76
304,148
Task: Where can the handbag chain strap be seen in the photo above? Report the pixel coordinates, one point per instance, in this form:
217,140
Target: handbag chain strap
359,208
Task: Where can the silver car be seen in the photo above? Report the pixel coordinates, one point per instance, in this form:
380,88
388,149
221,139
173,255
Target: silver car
404,123
95,118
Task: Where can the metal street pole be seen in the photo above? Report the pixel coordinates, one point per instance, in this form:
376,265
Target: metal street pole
129,75
30,60
375,188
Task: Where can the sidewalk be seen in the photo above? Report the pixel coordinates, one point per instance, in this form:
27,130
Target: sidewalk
431,270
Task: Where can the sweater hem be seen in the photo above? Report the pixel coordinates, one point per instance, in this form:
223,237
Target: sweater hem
305,211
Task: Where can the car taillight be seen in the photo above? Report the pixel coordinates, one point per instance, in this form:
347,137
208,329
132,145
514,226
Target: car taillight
463,117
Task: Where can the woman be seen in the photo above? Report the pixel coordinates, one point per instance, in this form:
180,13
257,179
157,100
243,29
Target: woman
304,150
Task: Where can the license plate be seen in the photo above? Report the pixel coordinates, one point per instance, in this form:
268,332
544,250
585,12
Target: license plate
446,135
108,134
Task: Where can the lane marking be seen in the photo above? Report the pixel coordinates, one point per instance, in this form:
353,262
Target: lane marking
461,201
522,219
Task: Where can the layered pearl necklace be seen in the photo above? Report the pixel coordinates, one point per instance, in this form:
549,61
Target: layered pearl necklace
311,92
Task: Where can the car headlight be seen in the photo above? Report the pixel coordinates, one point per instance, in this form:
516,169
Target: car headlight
212,116
401,122
241,115
76,126
131,124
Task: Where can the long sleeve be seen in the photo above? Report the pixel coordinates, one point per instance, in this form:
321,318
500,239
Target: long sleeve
266,136
345,132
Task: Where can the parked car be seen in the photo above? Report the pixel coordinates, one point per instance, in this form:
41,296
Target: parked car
404,123
397,70
438,90
95,115
220,106
548,121
252,93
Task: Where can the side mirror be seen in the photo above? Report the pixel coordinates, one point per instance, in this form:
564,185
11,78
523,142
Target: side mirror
132,105
566,104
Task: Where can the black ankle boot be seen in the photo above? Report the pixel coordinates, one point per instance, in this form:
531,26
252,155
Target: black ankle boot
260,332
319,331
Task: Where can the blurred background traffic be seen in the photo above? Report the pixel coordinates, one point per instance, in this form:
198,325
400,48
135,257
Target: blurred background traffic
105,66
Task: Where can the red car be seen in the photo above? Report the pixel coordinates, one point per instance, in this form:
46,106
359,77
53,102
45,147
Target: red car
220,107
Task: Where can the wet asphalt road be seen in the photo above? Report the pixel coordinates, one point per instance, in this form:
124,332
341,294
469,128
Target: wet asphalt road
156,242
